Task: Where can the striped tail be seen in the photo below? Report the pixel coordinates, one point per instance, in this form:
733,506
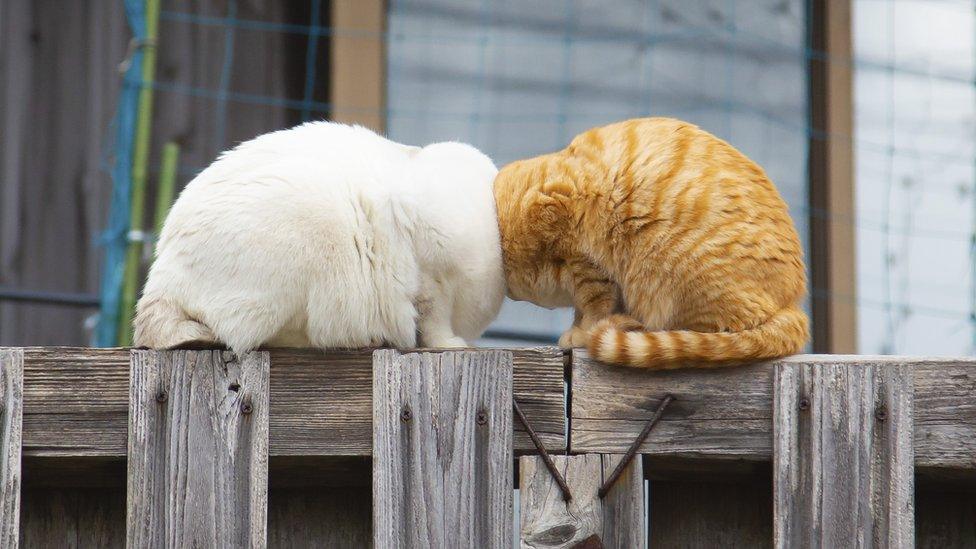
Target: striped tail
783,334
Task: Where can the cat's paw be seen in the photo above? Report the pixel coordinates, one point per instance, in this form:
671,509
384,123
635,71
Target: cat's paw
624,323
574,337
447,343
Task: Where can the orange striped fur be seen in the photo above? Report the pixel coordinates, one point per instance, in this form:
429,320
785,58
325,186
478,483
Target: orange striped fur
673,247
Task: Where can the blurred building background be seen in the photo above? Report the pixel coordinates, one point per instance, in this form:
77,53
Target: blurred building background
862,113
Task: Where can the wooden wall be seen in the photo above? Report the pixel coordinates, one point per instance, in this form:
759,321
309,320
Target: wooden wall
58,86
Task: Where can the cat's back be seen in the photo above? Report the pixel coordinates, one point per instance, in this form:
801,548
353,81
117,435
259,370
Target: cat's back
327,151
640,142
652,158
315,174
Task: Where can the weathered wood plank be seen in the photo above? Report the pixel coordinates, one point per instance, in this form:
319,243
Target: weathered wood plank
76,401
727,413
623,506
716,412
321,403
842,456
198,449
548,521
442,439
710,514
11,410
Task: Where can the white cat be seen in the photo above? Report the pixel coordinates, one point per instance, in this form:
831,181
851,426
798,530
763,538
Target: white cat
328,235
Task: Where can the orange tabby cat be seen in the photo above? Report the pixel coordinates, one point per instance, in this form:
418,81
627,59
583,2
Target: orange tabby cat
674,248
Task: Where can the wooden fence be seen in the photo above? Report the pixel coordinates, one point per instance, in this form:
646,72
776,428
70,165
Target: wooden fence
112,447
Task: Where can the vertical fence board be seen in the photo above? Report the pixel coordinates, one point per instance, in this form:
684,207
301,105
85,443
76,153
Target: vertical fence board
548,521
842,456
11,419
623,506
442,449
198,449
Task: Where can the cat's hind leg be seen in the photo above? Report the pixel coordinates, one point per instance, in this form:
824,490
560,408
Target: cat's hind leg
246,325
356,316
161,323
595,297
434,323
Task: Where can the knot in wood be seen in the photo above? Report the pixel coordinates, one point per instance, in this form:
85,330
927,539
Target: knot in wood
482,417
881,413
406,415
804,404
246,407
161,397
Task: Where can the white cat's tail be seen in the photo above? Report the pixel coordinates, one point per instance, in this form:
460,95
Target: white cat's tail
161,323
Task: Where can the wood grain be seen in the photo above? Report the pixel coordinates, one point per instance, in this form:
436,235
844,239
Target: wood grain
442,439
843,471
76,401
11,414
548,521
727,413
198,449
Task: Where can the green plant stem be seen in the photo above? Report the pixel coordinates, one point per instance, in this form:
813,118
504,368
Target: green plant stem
140,160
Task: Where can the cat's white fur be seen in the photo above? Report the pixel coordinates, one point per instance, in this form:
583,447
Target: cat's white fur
328,235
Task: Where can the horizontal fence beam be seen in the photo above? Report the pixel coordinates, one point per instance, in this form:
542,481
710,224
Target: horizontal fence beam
76,401
727,413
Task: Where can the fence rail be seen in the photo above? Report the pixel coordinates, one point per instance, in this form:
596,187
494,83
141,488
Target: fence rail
274,448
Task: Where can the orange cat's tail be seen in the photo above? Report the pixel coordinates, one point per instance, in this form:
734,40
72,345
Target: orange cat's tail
783,334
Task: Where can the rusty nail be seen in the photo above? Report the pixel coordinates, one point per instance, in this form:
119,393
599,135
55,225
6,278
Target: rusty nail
161,397
406,415
881,413
246,408
804,403
482,418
